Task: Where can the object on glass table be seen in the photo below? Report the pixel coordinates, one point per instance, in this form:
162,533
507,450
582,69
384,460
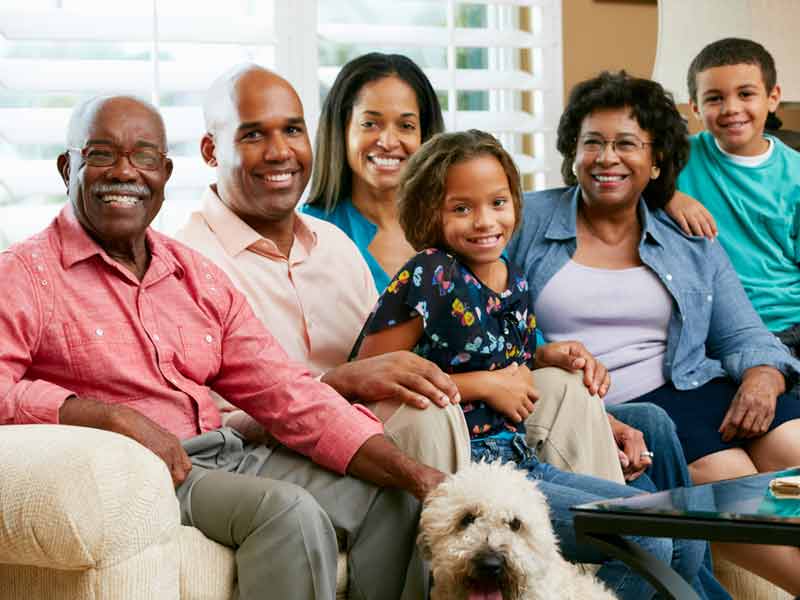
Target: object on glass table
785,487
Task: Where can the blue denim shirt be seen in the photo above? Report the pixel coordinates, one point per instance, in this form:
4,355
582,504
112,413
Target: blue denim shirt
713,331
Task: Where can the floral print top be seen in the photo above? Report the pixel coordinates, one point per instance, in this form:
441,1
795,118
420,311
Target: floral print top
466,325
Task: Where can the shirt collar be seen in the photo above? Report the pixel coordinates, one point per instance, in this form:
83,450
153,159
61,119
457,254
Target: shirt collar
236,236
563,225
77,245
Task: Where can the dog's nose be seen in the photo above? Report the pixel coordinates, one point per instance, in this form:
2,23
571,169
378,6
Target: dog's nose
489,565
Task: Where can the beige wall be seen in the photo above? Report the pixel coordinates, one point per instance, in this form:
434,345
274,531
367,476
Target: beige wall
617,34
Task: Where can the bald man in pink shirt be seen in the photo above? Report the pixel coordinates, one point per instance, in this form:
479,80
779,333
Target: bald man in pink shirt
303,277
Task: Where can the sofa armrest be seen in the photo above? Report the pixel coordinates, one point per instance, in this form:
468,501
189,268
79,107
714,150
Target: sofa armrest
76,498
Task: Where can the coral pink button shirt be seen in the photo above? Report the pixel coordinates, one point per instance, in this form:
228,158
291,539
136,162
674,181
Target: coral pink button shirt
73,321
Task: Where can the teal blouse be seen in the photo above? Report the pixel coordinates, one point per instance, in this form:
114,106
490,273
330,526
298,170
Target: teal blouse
362,231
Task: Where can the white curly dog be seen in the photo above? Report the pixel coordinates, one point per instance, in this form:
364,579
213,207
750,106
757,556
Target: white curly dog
487,534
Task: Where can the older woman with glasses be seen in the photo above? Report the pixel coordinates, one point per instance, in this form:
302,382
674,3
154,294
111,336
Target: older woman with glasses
664,312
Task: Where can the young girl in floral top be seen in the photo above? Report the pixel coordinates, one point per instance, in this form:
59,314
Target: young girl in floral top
459,303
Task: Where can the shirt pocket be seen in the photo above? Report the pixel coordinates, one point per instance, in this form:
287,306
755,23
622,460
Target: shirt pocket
103,350
202,354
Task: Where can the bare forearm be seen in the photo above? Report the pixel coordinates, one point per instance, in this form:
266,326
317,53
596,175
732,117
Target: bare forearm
472,386
380,462
341,379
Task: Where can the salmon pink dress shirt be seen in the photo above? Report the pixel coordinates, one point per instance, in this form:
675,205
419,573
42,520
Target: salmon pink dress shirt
75,322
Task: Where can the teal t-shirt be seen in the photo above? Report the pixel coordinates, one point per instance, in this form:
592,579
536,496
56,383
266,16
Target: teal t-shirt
757,210
359,229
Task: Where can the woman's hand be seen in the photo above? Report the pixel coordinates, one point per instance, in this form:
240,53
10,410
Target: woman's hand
634,457
573,356
692,216
753,407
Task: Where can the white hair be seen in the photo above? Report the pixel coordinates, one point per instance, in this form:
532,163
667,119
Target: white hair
84,112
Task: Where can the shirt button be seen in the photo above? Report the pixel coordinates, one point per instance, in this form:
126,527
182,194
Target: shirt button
709,297
209,339
99,332
669,276
44,281
156,338
208,275
34,255
39,268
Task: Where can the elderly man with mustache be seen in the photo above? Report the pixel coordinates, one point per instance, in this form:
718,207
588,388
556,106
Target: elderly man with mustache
106,323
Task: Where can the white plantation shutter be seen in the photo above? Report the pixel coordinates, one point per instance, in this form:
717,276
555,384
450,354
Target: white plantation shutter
496,65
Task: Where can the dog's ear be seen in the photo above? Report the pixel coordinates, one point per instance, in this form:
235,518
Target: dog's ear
424,546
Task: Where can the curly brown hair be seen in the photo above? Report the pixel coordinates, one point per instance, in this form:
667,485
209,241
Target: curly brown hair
653,109
421,192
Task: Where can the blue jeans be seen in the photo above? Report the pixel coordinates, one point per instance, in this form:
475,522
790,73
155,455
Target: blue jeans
669,469
563,490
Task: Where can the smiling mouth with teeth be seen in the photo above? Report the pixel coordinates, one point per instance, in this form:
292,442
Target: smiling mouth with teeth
119,199
487,240
278,177
385,162
609,178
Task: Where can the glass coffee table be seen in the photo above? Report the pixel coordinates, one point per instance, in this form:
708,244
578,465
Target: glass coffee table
734,510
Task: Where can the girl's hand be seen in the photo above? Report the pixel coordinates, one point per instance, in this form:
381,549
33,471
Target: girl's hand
573,356
510,392
692,216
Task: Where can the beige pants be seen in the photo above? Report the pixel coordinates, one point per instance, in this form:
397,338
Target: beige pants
437,437
569,427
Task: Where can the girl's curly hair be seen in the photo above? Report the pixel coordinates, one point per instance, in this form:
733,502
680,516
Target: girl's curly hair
654,111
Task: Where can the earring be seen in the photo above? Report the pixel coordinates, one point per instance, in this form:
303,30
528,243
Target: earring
654,172
574,170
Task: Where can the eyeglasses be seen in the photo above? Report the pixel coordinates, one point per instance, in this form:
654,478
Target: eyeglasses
106,155
622,146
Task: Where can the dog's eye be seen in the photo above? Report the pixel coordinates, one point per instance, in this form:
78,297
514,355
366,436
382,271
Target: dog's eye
467,520
515,524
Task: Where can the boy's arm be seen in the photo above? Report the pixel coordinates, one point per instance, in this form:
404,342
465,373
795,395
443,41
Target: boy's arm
691,216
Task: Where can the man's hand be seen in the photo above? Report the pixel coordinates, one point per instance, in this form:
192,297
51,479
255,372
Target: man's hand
633,452
510,391
753,407
133,424
382,463
692,216
401,375
573,356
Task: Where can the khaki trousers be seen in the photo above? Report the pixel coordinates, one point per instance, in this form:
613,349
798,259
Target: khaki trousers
569,427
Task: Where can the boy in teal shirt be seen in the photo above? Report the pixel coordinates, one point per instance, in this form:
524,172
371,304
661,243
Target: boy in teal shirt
749,181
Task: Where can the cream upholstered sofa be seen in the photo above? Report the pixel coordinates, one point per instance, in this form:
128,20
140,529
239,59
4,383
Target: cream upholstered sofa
91,515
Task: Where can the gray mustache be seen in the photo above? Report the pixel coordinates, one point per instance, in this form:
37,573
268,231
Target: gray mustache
133,189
